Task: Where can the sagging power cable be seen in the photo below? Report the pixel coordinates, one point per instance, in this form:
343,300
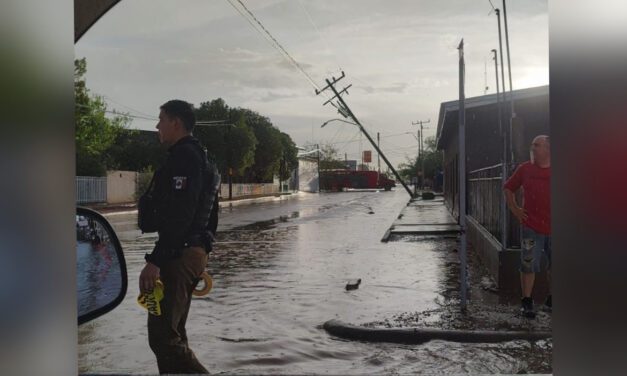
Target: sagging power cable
276,43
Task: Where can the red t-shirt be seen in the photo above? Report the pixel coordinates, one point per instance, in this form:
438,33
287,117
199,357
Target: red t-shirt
536,183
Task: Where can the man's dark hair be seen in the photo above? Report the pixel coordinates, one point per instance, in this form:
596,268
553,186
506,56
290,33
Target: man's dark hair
182,110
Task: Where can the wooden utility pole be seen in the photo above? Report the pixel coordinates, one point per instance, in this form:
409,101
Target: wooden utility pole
422,158
378,156
345,111
318,149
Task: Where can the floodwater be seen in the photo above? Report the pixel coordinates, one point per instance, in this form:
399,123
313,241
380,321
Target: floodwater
279,271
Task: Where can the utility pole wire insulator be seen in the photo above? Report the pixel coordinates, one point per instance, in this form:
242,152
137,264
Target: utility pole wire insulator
345,90
330,83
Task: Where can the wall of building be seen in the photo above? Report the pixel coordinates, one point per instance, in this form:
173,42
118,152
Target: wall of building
308,179
121,186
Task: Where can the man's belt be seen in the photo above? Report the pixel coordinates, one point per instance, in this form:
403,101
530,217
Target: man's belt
194,241
204,241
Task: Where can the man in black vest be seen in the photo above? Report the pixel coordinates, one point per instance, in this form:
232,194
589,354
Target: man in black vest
185,199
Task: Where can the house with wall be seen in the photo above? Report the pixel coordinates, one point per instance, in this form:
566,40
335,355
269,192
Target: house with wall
494,237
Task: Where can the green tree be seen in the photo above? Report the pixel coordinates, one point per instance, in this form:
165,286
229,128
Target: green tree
94,132
135,150
254,148
330,158
432,158
232,146
289,160
269,148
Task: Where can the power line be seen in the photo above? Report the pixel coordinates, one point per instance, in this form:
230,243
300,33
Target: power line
318,31
493,8
116,112
276,43
130,108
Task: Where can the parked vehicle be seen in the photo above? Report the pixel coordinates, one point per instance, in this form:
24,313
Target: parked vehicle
338,180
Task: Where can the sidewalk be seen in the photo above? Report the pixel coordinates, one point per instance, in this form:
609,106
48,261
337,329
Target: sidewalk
423,217
490,316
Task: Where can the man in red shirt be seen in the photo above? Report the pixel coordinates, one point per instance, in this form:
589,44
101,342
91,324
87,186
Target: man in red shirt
535,217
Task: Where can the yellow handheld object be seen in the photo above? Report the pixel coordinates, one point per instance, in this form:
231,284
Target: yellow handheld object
150,300
208,284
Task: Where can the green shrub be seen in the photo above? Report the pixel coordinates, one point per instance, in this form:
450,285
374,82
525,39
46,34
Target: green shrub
143,180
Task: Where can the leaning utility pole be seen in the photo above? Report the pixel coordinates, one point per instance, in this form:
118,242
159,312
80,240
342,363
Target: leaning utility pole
422,150
378,156
345,111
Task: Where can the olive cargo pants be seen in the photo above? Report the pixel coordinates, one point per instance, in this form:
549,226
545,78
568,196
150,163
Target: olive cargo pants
166,333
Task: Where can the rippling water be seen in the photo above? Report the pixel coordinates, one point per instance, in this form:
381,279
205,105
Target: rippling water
279,271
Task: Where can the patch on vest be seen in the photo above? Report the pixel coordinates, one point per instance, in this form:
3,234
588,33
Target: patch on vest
180,182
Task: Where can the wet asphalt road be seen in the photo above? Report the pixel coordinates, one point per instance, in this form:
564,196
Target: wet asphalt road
279,269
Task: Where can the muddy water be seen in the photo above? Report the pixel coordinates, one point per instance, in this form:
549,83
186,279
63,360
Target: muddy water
279,270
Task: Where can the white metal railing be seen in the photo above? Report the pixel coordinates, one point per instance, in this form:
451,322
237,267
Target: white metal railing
91,189
484,198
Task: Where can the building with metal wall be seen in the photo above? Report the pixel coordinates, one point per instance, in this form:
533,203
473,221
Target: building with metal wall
484,153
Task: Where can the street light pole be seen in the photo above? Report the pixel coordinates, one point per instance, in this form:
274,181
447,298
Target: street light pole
509,65
503,156
506,131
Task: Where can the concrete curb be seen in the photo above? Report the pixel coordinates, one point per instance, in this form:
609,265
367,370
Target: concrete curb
422,335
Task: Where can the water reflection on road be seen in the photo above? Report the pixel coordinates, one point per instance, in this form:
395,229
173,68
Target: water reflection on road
279,269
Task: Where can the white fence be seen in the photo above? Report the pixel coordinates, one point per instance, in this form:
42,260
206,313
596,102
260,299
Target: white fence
91,189
121,187
240,190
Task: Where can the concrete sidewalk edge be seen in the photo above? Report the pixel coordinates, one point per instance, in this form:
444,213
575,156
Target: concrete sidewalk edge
422,335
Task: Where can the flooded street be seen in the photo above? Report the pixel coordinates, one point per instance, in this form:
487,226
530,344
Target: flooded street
279,269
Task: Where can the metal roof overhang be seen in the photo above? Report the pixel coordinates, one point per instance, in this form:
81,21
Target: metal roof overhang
447,119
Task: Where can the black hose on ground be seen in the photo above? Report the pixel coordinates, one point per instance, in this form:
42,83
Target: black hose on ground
422,335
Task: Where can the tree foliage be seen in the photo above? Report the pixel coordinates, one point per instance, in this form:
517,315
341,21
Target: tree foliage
330,158
269,148
232,142
245,141
135,150
289,161
242,140
94,132
432,160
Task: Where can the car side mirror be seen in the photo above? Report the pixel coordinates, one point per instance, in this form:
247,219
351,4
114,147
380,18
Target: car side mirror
100,267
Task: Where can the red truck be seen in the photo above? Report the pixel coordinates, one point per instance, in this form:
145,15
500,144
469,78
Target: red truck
337,180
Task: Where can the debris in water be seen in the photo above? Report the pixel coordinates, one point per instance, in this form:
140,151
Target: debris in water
353,284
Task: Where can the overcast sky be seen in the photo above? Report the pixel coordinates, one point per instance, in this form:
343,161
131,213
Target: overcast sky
399,55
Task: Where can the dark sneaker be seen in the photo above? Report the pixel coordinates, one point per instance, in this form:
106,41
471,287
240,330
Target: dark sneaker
548,304
526,308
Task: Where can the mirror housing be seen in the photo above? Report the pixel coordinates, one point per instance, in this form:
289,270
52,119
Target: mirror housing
100,266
